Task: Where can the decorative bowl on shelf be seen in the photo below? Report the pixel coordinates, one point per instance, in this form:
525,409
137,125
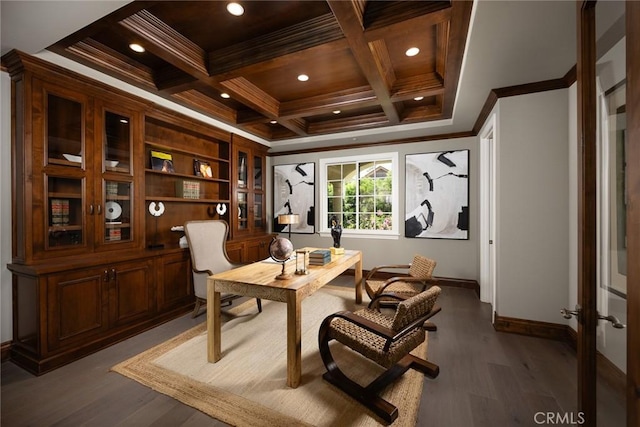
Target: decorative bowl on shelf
73,158
111,163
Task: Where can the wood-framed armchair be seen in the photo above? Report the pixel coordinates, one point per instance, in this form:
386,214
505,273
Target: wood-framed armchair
385,340
207,240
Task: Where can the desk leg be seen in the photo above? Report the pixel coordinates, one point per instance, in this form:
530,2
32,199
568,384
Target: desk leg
294,340
358,279
214,329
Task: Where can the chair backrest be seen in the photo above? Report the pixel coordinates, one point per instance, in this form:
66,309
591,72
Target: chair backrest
422,267
207,241
415,307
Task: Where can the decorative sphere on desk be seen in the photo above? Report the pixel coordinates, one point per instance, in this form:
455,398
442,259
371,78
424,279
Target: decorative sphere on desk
280,249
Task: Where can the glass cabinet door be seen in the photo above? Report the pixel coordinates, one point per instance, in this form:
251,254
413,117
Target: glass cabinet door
242,169
243,211
65,218
64,131
257,211
117,142
117,212
257,173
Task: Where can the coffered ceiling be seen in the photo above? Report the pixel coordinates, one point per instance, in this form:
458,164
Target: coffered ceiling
353,52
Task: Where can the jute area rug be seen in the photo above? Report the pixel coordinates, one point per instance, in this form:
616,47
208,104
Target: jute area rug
247,387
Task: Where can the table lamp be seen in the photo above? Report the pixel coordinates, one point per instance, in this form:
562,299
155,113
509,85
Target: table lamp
289,219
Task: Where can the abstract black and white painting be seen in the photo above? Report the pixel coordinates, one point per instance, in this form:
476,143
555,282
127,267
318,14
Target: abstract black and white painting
437,195
294,193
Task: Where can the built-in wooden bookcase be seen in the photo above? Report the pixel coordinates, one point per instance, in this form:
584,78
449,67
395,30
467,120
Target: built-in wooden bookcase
195,186
91,263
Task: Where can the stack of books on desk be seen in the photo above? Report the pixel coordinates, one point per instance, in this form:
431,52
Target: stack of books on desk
319,257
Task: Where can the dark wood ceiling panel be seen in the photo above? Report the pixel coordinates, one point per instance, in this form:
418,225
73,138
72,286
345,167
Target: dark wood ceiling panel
209,25
328,71
352,50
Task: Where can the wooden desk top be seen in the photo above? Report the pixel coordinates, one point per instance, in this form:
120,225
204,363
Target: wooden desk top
258,279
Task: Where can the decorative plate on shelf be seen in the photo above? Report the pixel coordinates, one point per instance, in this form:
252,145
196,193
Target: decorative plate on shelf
73,158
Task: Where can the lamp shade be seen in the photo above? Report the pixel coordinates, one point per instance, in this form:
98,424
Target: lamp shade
288,219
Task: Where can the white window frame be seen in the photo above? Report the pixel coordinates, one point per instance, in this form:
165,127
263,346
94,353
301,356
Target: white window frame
323,227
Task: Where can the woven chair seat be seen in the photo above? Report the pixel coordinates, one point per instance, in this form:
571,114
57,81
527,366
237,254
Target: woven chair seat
371,345
402,289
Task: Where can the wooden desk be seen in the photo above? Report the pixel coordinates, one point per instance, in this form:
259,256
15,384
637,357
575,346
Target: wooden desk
258,280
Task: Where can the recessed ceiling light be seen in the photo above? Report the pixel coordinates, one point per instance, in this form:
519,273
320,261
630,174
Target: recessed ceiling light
412,51
303,77
235,9
124,121
225,95
418,98
136,47
273,122
336,111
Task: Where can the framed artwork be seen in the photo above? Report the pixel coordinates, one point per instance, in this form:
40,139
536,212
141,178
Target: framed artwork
294,193
437,195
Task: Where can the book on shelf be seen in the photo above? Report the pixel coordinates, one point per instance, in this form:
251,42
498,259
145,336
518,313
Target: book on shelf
59,212
161,161
188,189
202,168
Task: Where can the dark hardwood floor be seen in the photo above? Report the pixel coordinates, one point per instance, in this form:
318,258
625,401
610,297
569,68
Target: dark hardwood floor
486,379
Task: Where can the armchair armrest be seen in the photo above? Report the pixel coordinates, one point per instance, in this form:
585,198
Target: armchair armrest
387,267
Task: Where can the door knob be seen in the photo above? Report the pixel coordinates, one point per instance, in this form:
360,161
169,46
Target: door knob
567,314
614,321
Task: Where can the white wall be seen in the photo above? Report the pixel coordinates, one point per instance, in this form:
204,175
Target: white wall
5,208
533,205
456,258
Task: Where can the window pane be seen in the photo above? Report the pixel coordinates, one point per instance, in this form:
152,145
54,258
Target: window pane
349,221
383,204
366,204
384,222
336,188
348,171
349,204
367,170
366,187
383,186
334,204
367,222
334,172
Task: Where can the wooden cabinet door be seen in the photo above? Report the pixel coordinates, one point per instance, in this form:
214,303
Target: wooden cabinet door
258,249
61,213
131,295
174,283
117,166
235,251
248,188
77,307
254,250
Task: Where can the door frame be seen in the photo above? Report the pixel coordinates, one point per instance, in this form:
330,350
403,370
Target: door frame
587,211
633,212
488,213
